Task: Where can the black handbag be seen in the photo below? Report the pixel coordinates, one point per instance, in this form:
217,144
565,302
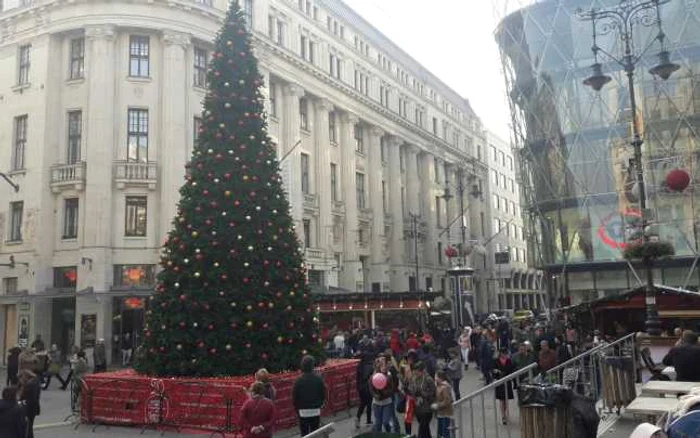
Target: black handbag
544,395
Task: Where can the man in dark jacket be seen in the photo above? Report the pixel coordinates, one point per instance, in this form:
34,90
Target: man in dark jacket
13,366
685,358
29,394
308,396
12,418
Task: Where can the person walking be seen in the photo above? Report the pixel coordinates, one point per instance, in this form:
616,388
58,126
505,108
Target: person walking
12,365
382,388
392,369
443,404
258,413
12,418
423,390
30,394
363,373
27,360
99,356
405,378
54,368
502,368
465,344
308,396
455,371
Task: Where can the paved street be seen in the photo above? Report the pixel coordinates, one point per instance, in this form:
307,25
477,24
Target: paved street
56,407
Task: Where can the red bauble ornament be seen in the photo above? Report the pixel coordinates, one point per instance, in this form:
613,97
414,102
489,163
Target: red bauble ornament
200,344
212,351
227,175
245,280
677,180
263,356
205,192
224,277
211,327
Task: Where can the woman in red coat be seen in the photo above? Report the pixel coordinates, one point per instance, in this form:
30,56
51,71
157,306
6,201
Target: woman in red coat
257,414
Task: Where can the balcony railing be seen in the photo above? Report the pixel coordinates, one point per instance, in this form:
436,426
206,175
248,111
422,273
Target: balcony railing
68,176
313,253
134,173
310,201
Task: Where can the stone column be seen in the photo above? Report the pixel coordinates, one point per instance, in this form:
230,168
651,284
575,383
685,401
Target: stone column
289,153
378,268
413,202
171,155
399,282
429,216
323,174
351,261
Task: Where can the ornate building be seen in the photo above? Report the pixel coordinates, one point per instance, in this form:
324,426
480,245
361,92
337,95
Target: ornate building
99,111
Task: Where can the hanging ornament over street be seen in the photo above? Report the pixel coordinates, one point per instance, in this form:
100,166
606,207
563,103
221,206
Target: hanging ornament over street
677,180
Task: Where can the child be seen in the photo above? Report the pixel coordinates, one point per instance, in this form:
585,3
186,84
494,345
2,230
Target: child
443,404
454,371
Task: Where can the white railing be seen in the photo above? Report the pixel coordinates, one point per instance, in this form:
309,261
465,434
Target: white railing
135,171
68,173
312,253
310,200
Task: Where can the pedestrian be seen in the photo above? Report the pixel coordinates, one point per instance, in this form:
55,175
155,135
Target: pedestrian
28,360
423,389
443,404
54,368
263,376
405,377
382,388
393,373
465,344
547,358
504,392
486,356
72,360
13,365
308,396
38,344
257,413
30,395
454,371
363,372
99,356
12,418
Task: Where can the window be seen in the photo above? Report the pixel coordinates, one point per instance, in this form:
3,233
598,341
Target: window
304,114
271,25
280,33
503,181
273,100
494,177
75,135
510,163
303,46
512,185
70,218
359,141
9,285
196,128
77,58
137,135
134,275
496,225
312,50
494,153
139,56
436,169
305,174
502,157
331,64
307,233
332,127
334,182
19,143
247,8
24,64
438,215
403,200
478,153
135,216
200,67
496,204
385,192
16,212
435,125
65,277
360,190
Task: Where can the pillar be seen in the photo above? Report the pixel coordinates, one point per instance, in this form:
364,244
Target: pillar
289,153
429,211
351,261
378,265
171,155
413,203
399,282
323,174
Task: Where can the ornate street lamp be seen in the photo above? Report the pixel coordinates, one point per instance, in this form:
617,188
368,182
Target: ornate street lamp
622,18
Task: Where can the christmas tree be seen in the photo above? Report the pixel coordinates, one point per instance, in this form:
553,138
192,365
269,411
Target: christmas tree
232,295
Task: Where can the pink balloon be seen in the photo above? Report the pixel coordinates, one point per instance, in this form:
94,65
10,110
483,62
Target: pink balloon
379,381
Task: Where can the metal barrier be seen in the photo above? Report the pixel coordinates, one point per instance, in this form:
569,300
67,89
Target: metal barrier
605,373
478,415
322,432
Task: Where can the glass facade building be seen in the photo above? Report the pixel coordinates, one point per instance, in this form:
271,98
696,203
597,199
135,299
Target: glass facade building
580,198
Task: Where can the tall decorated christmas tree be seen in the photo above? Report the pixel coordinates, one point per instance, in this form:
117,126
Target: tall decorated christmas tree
232,295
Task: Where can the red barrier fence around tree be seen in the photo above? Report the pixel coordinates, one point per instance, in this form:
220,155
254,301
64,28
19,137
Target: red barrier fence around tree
131,399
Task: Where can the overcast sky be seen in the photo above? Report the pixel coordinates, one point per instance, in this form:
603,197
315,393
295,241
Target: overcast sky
454,40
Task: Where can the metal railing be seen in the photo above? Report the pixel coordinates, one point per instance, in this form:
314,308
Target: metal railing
605,374
322,432
478,415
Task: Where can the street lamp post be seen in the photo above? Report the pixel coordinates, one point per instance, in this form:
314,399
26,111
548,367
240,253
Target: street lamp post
622,18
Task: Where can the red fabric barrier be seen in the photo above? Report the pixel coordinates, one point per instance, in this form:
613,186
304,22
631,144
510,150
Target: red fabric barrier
126,398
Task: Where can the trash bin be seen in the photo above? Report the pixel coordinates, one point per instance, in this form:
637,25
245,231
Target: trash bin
545,410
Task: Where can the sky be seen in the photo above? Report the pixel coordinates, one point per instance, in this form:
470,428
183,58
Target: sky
454,40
